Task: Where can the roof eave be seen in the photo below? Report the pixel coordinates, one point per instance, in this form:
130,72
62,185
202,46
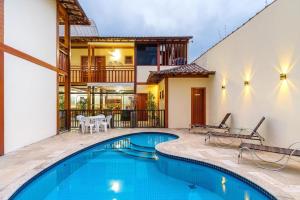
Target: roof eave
132,39
154,77
75,19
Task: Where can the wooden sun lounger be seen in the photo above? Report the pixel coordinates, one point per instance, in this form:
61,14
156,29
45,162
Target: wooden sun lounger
254,135
222,125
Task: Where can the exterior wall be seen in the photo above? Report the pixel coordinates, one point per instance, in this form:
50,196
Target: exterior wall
258,52
163,67
76,56
148,88
161,88
77,53
179,100
30,90
143,72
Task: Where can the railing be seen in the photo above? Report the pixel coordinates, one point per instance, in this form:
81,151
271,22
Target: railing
125,118
63,60
105,74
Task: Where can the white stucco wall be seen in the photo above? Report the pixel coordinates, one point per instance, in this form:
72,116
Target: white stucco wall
30,90
265,47
143,72
179,100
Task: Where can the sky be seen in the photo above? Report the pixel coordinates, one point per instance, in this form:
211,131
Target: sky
207,21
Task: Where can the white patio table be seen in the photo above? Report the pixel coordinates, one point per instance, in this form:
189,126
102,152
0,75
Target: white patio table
97,120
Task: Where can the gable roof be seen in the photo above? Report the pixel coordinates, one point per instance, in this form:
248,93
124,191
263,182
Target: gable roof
188,70
75,12
82,30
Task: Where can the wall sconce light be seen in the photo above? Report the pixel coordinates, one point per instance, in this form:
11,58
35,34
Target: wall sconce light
223,87
246,83
283,76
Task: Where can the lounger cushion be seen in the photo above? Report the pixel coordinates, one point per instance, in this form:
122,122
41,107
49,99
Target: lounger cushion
270,149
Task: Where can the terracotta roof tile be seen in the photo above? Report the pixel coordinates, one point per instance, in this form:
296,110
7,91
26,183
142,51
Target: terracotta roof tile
75,12
184,70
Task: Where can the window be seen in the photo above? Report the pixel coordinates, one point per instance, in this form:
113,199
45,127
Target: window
128,60
146,54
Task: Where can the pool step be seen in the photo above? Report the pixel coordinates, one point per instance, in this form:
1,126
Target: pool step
140,154
141,148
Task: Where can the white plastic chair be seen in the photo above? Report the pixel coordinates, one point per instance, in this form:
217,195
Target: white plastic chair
108,120
89,124
98,122
81,120
103,124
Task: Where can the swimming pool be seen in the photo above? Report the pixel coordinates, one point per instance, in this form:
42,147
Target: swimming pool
128,167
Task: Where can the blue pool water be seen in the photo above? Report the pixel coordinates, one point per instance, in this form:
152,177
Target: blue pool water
127,168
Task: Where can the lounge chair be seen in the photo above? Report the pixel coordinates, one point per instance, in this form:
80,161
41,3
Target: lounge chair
285,152
222,125
254,135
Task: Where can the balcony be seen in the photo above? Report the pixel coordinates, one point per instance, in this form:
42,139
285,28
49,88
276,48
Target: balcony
119,74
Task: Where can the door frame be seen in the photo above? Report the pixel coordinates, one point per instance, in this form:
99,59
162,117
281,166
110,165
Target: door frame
204,109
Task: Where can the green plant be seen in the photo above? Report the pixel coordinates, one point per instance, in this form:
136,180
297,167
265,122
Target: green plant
82,104
151,104
61,102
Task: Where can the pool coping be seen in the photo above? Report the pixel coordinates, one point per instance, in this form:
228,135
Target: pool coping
266,187
280,195
49,167
221,169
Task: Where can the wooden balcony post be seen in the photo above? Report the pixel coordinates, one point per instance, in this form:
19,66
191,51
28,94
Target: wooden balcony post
135,67
158,57
89,98
64,60
166,103
68,76
93,98
89,63
101,99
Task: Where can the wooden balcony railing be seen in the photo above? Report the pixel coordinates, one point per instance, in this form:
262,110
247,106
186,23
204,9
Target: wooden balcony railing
105,74
63,60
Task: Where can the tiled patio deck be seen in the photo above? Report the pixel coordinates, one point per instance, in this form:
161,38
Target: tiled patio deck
19,166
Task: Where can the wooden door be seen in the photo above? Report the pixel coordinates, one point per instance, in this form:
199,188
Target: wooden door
141,106
84,69
99,69
198,105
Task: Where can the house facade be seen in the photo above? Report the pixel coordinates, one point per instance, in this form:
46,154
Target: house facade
109,75
258,74
58,68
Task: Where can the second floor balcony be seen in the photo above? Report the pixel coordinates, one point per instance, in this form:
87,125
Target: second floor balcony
111,74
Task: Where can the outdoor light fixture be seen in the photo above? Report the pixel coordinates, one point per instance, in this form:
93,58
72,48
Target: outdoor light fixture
116,55
283,76
246,83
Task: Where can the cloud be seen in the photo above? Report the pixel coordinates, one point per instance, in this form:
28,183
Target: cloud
203,19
